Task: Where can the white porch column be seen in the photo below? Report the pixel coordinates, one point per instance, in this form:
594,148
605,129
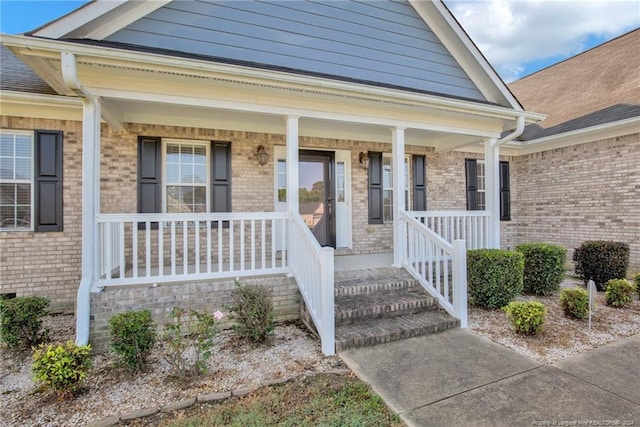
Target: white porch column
90,209
492,190
292,164
397,136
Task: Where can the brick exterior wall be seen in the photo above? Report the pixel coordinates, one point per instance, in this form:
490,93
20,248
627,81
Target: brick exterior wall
204,295
583,192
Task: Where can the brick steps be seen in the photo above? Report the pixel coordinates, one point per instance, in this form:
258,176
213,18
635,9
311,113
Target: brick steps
378,306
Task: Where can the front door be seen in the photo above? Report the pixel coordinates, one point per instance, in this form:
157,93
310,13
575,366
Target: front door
316,193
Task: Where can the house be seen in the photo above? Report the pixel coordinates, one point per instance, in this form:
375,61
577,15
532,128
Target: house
152,149
579,169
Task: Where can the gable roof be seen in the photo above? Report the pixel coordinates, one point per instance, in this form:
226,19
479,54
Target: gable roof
15,75
416,45
596,87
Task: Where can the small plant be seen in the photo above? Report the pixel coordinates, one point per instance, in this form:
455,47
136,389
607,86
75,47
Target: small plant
575,302
601,261
21,321
190,329
61,367
526,317
252,309
638,284
543,267
494,276
619,292
133,335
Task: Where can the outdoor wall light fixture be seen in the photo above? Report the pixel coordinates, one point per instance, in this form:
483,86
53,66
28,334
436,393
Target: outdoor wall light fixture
263,157
364,160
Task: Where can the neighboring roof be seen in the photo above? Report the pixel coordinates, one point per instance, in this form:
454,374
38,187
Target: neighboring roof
15,75
599,86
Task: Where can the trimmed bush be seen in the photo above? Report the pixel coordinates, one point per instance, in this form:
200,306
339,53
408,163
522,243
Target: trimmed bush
526,317
494,276
619,292
62,367
133,335
543,267
252,310
21,321
575,302
602,261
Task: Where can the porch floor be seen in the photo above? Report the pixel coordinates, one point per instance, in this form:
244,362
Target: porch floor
362,262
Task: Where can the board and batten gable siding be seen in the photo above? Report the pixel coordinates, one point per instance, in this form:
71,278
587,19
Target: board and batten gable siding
384,42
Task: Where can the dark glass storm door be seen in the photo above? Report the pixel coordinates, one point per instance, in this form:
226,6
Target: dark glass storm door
317,203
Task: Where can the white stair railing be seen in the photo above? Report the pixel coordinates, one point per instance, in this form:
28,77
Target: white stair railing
439,266
471,226
312,266
155,248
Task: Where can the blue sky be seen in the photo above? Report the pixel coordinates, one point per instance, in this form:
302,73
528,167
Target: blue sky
518,37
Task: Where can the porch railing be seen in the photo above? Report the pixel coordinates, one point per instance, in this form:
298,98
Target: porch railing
312,266
471,226
154,248
439,266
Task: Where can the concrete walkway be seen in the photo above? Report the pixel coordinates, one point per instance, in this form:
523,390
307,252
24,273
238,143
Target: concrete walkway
456,378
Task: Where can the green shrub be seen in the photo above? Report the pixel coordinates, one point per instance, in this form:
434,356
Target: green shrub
638,283
526,317
602,261
494,276
575,302
21,321
133,335
61,367
619,292
543,267
190,329
252,309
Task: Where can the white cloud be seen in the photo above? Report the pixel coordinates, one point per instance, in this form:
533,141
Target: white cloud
512,33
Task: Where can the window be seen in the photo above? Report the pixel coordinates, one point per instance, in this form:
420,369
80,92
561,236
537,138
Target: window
16,181
31,180
282,180
387,187
475,172
179,176
186,180
340,190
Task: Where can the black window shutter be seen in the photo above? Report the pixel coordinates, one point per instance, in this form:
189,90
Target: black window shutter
220,176
471,171
505,192
419,183
48,180
149,176
375,188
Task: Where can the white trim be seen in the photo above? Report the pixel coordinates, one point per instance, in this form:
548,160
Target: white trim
31,181
163,156
205,68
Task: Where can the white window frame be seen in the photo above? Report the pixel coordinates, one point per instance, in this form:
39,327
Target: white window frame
30,181
407,178
164,182
481,177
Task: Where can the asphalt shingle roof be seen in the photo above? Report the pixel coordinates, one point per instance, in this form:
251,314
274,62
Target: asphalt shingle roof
17,76
598,86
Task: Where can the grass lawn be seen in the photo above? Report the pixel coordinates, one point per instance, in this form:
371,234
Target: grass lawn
320,400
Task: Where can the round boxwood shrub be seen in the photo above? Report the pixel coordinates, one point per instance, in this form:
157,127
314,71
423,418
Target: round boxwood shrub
527,317
494,276
619,292
602,261
543,267
575,302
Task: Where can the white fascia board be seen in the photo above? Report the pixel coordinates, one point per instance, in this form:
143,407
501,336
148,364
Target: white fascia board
580,136
39,99
53,107
451,34
77,19
151,61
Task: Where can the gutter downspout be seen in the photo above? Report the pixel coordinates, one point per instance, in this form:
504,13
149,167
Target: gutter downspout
90,193
492,164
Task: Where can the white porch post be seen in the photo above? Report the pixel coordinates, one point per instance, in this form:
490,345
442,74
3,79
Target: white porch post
90,209
397,136
492,190
292,164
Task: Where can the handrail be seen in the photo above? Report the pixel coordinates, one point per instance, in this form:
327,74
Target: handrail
312,266
431,260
